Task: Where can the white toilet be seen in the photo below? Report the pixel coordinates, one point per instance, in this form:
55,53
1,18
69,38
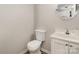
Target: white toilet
35,45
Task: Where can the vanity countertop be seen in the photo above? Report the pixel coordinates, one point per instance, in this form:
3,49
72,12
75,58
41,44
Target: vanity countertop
61,35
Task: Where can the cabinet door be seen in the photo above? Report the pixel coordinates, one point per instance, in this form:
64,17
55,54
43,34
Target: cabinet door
59,46
74,48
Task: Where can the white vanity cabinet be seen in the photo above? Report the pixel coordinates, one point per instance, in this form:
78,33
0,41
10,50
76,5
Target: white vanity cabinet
74,48
61,44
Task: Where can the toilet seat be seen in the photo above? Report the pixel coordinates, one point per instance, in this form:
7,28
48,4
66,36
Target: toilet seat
34,45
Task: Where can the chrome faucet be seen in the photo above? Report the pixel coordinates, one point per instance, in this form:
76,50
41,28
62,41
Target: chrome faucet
67,32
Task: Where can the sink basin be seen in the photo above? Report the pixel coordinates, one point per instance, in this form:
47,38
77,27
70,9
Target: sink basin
74,37
75,32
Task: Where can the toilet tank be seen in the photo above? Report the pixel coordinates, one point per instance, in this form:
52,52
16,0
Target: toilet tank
40,34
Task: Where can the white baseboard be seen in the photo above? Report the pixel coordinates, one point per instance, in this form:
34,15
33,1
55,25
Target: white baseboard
24,51
46,51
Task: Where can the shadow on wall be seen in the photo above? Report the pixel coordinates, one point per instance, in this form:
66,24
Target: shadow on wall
33,37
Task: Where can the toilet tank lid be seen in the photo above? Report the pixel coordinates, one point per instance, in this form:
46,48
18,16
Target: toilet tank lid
40,30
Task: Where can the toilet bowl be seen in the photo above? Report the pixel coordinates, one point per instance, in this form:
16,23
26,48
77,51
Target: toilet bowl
35,45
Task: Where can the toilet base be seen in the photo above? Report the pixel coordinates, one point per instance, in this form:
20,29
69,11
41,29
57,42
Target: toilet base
35,52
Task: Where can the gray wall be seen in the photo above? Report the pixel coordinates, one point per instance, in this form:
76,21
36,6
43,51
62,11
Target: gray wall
16,27
46,18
